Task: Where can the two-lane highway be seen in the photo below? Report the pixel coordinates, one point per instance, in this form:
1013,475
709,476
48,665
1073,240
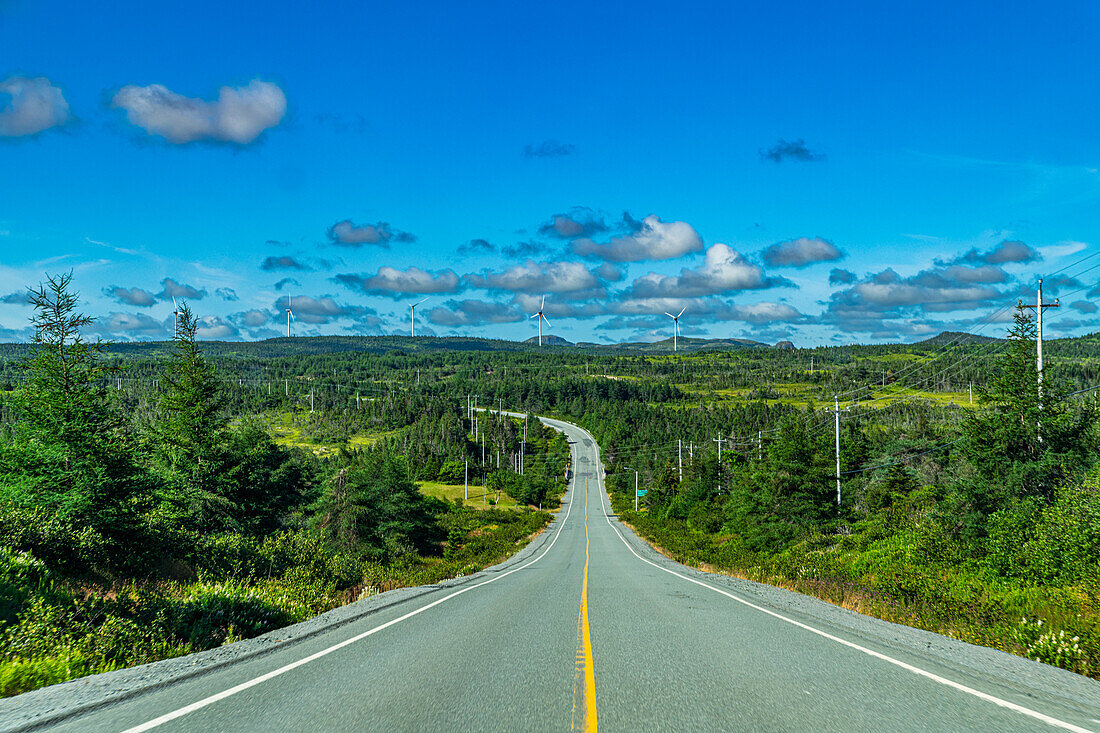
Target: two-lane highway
590,627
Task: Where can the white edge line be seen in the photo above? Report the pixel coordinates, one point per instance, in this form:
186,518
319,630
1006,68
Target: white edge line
167,717
870,652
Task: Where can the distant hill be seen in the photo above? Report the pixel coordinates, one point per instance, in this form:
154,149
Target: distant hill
957,337
689,344
549,340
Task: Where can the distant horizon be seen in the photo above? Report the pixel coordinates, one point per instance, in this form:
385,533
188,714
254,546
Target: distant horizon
587,344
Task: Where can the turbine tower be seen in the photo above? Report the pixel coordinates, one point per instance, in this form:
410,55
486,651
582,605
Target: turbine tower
289,313
175,318
412,317
539,315
676,327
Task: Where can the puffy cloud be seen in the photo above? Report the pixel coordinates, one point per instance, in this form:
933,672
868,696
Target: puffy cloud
215,327
524,249
579,222
838,276
347,234
1010,250
548,149
238,116
251,318
887,290
1083,306
474,313
33,105
285,282
711,309
723,270
131,326
653,240
172,289
540,277
610,272
320,310
19,297
790,150
801,252
131,296
389,281
476,246
227,294
284,262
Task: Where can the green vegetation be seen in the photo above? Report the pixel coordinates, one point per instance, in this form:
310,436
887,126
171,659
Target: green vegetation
158,499
151,522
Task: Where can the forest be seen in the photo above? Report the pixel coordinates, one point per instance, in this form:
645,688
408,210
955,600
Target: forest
147,489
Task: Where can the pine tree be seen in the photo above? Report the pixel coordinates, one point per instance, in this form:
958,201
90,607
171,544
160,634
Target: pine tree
1022,444
68,453
190,435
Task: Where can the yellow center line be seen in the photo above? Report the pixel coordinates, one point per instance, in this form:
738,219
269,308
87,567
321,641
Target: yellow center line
584,646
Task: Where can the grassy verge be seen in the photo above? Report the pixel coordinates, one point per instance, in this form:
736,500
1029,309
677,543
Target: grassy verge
889,577
56,627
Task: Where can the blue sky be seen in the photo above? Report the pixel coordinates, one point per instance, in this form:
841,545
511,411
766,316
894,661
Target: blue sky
825,173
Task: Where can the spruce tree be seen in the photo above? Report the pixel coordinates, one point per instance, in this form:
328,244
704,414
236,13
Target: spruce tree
68,453
190,435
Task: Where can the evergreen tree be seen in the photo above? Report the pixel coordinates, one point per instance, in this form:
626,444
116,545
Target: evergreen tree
68,452
189,439
1023,445
376,509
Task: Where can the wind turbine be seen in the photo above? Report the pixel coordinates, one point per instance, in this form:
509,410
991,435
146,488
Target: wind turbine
676,327
541,318
175,318
289,313
412,317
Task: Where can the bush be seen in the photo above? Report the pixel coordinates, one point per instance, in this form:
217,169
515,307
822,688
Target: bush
209,613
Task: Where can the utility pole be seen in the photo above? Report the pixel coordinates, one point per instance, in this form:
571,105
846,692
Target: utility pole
680,457
635,489
972,393
311,400
1039,307
286,386
718,440
811,365
836,413
466,481
759,445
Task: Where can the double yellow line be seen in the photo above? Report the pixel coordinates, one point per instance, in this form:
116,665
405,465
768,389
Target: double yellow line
584,664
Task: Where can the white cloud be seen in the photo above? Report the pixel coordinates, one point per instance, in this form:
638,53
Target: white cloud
35,105
654,240
238,116
391,281
723,270
539,277
801,252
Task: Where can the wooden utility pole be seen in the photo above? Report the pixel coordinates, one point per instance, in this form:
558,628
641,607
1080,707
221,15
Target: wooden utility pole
680,457
836,413
1039,307
718,440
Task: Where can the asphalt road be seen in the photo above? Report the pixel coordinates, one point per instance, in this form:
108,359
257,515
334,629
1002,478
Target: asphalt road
590,627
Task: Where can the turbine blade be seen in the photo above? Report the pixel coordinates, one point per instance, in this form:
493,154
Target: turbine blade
545,319
541,307
670,315
536,315
681,311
